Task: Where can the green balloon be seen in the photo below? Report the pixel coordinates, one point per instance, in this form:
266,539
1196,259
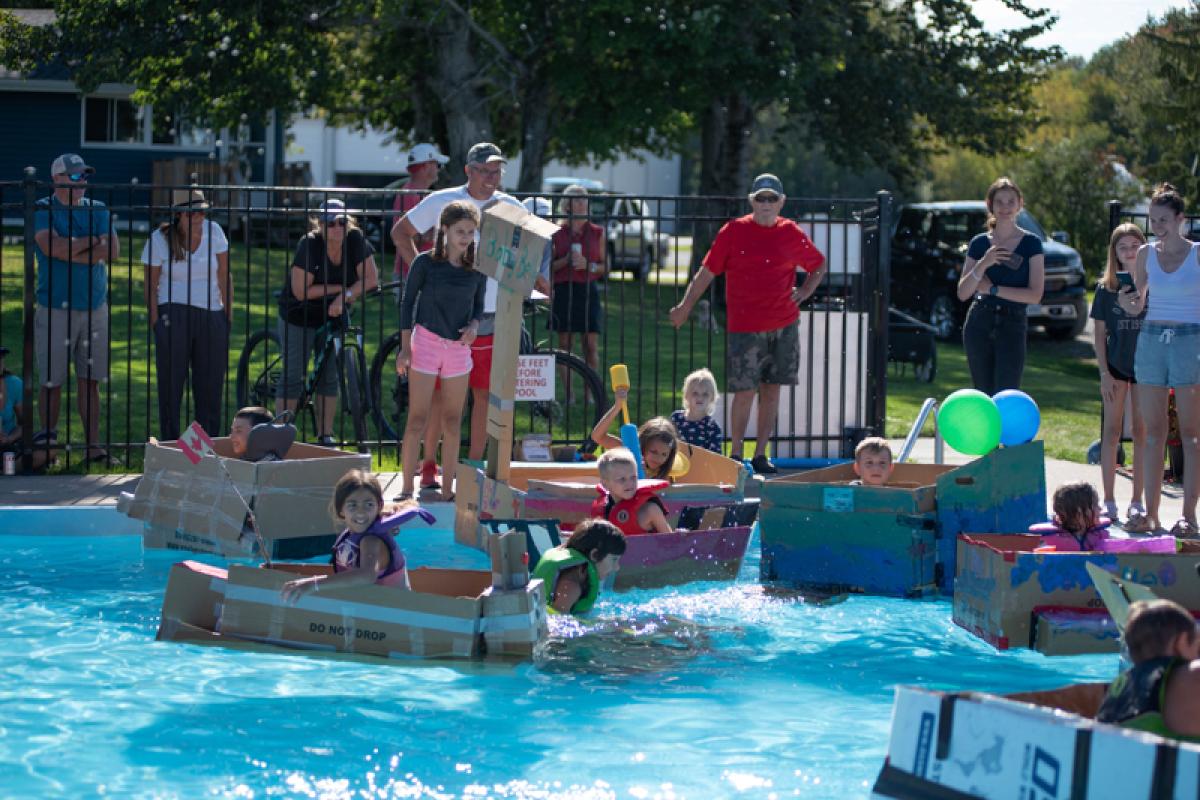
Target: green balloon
969,421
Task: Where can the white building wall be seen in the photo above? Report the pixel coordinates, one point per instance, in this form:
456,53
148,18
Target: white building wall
332,150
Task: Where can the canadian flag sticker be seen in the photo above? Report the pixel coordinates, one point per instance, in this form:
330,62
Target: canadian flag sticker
195,443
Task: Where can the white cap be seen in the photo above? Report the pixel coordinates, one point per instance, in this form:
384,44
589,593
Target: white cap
426,152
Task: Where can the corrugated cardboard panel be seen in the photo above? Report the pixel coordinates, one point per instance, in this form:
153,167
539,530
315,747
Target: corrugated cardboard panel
875,553
376,620
514,621
912,490
1001,582
193,597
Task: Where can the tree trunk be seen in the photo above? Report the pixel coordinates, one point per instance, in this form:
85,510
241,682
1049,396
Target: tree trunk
724,166
458,82
535,132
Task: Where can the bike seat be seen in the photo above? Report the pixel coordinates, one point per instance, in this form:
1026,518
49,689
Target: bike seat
269,441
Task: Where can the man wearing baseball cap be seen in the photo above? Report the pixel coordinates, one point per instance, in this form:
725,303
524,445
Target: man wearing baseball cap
74,241
484,169
760,255
424,161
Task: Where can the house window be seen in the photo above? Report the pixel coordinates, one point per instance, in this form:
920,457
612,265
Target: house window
115,120
177,131
109,120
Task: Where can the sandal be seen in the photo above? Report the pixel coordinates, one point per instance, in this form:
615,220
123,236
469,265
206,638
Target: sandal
104,459
1184,529
403,497
1139,523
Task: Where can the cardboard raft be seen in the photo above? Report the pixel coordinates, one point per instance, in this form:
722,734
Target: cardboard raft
712,553
565,492
1010,596
819,532
192,507
979,745
448,614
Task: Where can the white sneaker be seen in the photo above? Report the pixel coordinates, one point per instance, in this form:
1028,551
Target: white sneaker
1110,510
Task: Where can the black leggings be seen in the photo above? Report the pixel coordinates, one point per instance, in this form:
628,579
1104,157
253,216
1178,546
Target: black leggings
994,338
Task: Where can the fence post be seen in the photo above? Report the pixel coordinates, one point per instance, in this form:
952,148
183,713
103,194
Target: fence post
29,200
880,303
1114,214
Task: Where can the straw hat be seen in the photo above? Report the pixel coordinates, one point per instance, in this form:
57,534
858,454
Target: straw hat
188,200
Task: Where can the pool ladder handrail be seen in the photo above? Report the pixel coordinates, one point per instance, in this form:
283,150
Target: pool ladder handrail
928,407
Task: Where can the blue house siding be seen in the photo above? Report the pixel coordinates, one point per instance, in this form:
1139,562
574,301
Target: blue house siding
42,125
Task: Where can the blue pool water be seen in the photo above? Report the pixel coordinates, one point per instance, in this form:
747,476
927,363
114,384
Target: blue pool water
712,690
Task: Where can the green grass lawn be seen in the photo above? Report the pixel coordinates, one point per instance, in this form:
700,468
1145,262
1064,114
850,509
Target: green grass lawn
1060,376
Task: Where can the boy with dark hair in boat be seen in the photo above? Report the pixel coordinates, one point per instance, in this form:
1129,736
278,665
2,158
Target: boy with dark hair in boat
572,572
1161,692
873,462
243,422
632,505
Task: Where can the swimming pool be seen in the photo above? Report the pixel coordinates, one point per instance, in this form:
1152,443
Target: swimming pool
711,690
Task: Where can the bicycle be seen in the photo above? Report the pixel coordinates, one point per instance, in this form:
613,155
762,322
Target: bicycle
579,398
261,362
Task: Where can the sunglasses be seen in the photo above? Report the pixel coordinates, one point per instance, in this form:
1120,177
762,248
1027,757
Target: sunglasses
766,198
335,223
77,177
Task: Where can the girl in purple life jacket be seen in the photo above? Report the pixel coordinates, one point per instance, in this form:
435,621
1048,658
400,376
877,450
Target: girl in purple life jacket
365,552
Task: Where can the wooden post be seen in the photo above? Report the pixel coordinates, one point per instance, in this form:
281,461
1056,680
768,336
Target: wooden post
511,243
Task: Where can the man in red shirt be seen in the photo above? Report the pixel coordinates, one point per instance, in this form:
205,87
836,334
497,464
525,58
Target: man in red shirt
759,254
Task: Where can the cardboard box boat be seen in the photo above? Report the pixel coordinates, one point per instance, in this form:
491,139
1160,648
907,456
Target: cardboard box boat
565,492
819,532
1010,596
193,507
449,613
948,745
711,552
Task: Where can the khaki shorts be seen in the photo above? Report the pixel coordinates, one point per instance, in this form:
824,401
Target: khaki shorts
767,357
62,336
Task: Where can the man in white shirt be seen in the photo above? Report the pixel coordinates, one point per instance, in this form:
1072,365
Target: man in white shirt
484,170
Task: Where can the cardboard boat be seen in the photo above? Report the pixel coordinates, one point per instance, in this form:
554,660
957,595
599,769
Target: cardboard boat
565,492
712,550
192,507
1010,596
1034,745
820,533
449,613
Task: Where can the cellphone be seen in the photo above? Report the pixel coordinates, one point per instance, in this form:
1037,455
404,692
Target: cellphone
1124,279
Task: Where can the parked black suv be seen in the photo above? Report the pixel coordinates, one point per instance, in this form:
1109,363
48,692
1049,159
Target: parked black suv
928,248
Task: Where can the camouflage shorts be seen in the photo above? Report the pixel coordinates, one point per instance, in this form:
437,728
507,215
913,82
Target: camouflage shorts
768,357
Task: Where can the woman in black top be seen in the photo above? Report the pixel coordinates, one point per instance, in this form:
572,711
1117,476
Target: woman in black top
334,264
439,318
1004,271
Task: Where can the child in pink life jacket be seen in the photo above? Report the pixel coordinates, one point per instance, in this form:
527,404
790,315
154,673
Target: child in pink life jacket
1077,524
366,551
632,505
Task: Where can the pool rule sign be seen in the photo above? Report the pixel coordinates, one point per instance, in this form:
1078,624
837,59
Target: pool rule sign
511,244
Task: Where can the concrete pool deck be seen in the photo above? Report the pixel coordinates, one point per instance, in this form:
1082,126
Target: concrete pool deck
103,490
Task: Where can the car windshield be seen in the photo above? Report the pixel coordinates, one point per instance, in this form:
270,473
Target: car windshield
1025,220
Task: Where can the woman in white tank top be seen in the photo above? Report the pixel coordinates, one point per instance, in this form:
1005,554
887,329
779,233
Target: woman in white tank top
1167,283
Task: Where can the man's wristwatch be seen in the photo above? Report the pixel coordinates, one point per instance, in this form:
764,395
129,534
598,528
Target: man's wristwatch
993,290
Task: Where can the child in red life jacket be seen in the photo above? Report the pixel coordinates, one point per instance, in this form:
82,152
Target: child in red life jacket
365,552
632,505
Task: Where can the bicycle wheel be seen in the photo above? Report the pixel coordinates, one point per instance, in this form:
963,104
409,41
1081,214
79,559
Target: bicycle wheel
389,391
355,397
258,370
578,402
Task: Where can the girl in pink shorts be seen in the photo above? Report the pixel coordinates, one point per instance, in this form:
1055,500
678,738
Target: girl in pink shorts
439,317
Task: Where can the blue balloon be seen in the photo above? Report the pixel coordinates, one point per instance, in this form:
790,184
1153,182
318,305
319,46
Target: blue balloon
1019,417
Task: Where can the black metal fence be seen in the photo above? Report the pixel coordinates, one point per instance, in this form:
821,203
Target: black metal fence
652,242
